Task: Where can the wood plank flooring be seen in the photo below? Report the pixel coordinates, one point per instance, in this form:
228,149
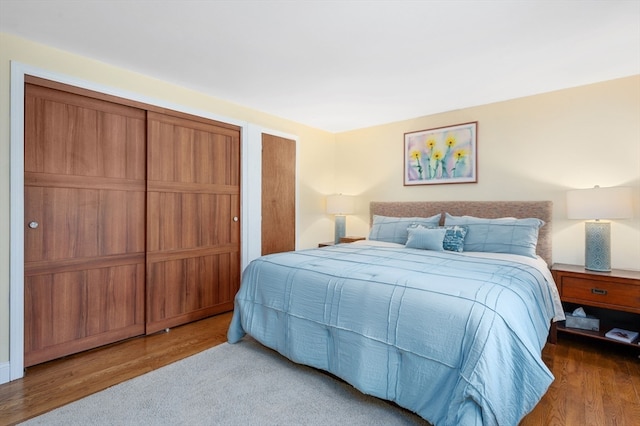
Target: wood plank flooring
596,383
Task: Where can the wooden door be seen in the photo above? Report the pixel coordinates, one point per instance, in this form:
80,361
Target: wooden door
278,194
193,228
84,189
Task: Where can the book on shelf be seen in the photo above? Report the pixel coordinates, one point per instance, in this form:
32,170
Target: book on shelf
622,335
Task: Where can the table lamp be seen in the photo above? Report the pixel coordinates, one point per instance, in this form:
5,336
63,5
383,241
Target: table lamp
340,205
596,204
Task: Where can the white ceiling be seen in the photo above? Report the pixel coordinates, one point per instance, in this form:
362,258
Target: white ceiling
341,65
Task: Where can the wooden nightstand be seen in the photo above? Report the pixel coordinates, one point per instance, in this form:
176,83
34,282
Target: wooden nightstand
342,240
613,297
351,239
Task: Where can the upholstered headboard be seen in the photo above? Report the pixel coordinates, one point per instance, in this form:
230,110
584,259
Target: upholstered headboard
488,209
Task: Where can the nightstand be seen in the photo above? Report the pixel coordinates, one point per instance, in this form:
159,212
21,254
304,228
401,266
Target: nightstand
613,297
342,240
351,239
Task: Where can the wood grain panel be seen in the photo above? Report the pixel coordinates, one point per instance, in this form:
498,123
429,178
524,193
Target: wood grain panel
78,223
137,105
73,311
187,151
85,187
185,285
68,181
183,220
200,188
75,135
278,194
190,288
193,242
84,263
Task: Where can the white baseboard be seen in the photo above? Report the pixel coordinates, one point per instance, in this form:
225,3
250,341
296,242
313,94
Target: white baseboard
5,372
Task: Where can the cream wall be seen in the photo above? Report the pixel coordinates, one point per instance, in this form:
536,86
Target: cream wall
533,148
315,147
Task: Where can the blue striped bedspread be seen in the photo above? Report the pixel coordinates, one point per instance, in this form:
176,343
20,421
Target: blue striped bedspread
454,337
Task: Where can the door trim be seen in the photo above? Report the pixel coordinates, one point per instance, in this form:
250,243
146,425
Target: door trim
249,201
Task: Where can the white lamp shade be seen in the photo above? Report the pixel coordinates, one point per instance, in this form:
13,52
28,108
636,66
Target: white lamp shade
340,204
599,203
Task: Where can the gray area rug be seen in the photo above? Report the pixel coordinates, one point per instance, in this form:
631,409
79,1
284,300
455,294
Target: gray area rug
240,384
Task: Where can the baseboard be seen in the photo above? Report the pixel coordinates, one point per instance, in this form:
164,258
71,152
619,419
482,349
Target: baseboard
5,372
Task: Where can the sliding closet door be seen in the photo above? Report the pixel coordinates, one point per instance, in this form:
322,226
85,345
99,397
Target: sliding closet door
193,211
84,223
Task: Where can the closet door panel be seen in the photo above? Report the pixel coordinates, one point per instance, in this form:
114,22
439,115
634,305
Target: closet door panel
77,135
83,223
190,287
193,241
85,200
74,310
189,220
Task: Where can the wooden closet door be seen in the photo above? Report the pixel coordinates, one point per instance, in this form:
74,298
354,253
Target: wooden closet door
84,223
278,194
193,228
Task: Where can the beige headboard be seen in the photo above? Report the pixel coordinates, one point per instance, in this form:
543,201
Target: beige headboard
488,209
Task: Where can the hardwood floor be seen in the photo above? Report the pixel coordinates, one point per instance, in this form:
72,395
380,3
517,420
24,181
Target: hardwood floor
596,383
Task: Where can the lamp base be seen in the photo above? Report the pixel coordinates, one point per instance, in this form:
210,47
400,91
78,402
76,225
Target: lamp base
597,246
341,226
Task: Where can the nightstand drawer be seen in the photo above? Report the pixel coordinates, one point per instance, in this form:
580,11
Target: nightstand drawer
600,292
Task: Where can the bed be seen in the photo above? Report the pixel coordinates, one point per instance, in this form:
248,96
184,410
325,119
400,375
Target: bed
454,335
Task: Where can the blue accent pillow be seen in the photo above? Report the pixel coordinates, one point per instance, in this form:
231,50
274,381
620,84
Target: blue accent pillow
423,238
503,235
394,229
453,237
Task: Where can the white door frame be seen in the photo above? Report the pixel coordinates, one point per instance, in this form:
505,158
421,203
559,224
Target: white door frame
251,154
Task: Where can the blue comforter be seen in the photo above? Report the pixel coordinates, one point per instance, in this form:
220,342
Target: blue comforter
454,337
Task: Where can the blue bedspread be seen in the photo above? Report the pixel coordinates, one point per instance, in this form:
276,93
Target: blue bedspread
454,337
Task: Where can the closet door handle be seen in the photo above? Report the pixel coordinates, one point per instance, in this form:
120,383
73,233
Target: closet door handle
235,218
33,224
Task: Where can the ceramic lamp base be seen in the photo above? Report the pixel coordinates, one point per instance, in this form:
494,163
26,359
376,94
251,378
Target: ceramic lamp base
597,246
341,226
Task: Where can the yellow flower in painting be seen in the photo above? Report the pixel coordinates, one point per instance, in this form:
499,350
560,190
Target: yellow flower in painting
451,141
437,155
459,154
431,143
415,155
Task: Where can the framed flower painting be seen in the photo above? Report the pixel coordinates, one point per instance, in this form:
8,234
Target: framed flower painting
441,155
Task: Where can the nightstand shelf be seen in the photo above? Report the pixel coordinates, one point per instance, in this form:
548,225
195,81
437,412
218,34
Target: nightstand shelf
613,297
604,327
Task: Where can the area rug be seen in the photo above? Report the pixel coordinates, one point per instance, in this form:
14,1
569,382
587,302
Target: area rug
240,384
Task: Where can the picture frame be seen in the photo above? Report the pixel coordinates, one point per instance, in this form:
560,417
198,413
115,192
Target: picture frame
441,155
